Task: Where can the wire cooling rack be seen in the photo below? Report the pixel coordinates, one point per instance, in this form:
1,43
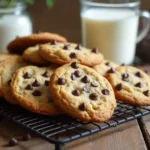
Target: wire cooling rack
63,129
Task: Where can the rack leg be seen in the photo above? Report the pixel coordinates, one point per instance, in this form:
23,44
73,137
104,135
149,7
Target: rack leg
58,146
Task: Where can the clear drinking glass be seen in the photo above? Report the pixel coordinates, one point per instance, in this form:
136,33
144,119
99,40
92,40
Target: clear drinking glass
112,27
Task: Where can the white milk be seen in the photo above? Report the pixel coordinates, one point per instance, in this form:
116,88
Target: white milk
12,26
112,31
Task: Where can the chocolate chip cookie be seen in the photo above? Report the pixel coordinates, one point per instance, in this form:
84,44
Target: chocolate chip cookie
31,55
60,53
9,67
19,44
131,85
30,89
105,67
81,92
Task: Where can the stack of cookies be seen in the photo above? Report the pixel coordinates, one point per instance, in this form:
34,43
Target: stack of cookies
53,76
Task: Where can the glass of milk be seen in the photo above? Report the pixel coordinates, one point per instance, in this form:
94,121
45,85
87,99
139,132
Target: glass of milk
14,21
112,27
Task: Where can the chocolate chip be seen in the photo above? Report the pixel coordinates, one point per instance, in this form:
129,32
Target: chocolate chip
66,47
119,87
86,89
73,55
46,74
75,65
82,107
93,96
77,73
111,70
73,77
46,83
78,47
26,137
54,42
29,87
107,63
85,79
105,91
125,77
27,75
35,83
76,92
12,142
146,93
138,74
138,84
61,81
9,81
95,50
36,93
94,84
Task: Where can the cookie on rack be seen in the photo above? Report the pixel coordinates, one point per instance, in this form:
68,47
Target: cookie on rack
30,89
82,93
61,53
19,44
31,55
8,68
105,67
131,85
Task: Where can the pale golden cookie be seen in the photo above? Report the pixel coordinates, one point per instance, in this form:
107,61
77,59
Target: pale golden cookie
131,85
60,53
31,55
30,89
82,93
105,67
9,67
19,44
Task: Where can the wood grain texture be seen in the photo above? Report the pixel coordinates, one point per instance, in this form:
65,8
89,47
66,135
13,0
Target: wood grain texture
123,137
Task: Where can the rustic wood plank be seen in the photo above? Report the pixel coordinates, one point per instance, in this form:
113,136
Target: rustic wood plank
117,138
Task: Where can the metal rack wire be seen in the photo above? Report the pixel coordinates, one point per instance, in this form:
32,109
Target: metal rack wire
63,129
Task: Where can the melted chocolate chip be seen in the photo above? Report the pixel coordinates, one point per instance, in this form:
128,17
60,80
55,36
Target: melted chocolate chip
107,63
77,73
94,84
36,93
61,81
146,93
26,137
73,55
86,89
111,70
66,47
46,83
78,47
95,50
27,75
35,83
93,96
105,91
125,77
138,84
75,65
138,74
119,87
82,107
73,77
46,74
76,92
29,87
54,42
85,79
12,142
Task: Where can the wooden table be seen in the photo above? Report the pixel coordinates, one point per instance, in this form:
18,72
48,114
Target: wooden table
133,135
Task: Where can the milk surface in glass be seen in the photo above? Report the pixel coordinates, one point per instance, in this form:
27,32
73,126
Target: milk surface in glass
112,31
